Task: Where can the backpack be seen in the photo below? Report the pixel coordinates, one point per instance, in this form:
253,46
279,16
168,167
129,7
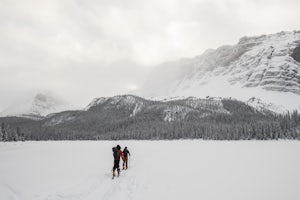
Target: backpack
125,152
116,154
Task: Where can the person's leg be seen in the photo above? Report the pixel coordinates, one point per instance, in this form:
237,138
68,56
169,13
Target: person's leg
114,168
126,162
118,167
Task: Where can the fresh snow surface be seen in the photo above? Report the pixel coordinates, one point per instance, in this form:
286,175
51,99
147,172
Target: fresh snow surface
184,169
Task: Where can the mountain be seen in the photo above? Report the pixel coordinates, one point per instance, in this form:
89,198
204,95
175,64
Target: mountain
133,117
37,108
265,67
123,107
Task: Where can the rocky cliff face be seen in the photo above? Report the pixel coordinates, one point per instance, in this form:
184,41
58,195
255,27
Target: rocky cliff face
267,62
296,53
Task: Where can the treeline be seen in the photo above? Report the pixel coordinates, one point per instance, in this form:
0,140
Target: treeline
222,127
8,133
238,125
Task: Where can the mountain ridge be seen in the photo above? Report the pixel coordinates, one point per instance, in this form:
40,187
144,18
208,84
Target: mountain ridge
132,117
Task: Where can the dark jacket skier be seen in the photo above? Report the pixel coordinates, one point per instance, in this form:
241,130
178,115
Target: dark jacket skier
126,153
117,153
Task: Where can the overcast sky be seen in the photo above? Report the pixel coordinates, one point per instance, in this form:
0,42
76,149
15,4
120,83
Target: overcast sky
81,49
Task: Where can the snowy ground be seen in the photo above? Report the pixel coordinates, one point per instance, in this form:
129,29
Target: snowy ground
195,169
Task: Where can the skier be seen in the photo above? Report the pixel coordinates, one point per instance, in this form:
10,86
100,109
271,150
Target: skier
125,158
117,153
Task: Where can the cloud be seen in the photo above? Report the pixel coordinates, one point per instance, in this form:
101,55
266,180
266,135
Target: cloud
105,47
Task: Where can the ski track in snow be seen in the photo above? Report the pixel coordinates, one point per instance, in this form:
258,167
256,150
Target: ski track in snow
100,186
10,193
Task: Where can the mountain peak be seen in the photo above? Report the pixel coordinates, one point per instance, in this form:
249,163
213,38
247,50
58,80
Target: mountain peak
128,100
41,105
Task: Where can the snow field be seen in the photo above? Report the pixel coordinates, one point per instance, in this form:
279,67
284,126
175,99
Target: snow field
184,169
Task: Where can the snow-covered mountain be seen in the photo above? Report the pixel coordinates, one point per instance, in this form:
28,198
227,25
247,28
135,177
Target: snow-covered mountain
169,110
40,106
266,67
120,108
261,106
